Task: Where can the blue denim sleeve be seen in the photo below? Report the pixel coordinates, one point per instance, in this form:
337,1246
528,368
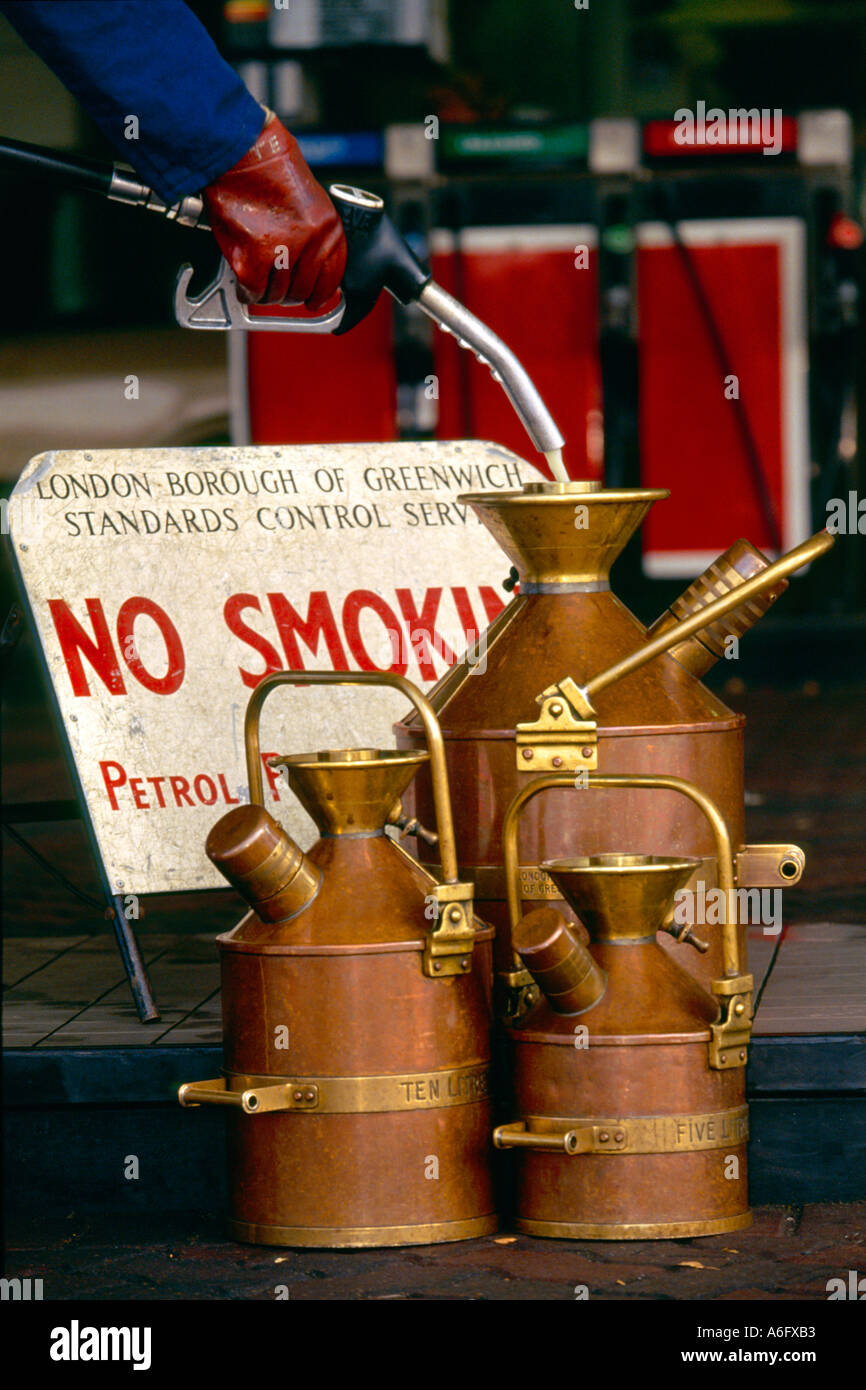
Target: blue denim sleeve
151,59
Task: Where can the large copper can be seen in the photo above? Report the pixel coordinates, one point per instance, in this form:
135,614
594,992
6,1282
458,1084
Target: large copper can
356,1012
628,1075
656,718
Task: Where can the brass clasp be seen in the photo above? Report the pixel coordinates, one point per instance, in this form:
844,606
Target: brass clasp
564,736
448,947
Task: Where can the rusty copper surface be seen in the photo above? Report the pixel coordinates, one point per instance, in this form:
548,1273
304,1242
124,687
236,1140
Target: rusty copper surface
646,1056
345,979
346,1172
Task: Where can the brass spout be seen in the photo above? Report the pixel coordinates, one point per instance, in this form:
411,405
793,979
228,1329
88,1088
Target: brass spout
740,562
271,872
561,966
788,564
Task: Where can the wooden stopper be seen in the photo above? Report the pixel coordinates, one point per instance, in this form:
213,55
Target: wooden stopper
561,966
263,863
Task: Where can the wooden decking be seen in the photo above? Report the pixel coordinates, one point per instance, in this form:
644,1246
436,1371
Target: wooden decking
70,991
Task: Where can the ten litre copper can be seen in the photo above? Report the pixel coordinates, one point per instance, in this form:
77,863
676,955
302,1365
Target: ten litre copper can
356,1009
629,1086
567,679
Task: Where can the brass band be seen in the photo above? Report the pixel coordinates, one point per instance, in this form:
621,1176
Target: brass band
362,1095
358,1237
565,586
646,1134
644,1230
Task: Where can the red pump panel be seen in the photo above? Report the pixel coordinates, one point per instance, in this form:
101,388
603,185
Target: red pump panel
537,287
752,273
307,388
670,138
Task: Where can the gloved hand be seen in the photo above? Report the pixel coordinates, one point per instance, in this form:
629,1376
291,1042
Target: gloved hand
276,226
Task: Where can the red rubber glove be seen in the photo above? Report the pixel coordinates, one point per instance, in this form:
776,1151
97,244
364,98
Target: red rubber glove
276,226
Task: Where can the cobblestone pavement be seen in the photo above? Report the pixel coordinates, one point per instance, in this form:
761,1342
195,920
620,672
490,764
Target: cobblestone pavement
789,1253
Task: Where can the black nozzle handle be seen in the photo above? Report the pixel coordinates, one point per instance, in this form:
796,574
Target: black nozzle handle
378,257
17,157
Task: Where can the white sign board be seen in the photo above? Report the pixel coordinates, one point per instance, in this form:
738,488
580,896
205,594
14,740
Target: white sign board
164,583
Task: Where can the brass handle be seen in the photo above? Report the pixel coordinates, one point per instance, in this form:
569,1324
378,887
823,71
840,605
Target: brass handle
435,743
517,1136
787,564
256,1100
730,946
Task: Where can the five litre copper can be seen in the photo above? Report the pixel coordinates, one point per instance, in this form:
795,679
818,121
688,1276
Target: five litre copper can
629,1076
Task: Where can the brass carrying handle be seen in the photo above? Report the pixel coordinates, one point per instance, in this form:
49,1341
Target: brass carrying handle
510,826
517,1136
256,1100
435,743
786,564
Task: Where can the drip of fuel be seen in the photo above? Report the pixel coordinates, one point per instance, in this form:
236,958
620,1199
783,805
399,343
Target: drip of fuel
557,467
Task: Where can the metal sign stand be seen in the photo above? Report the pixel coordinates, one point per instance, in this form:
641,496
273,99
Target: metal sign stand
24,812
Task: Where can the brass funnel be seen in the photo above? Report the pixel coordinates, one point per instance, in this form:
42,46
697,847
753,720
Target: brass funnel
563,533
621,897
350,791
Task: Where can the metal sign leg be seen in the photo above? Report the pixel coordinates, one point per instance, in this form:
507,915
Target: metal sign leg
134,965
